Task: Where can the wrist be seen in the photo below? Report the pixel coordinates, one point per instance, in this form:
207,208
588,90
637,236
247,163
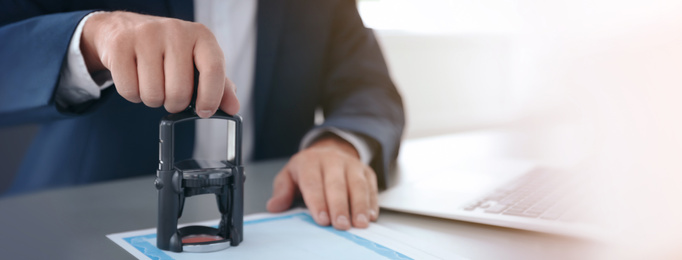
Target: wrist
88,44
335,142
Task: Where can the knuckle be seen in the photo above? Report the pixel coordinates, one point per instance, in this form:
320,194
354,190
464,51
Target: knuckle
369,173
174,107
316,202
172,24
145,30
309,155
175,30
357,182
305,156
200,29
129,95
334,153
359,193
360,206
178,94
126,93
151,104
116,49
151,27
119,40
339,206
298,159
338,188
208,97
153,100
202,32
308,183
215,66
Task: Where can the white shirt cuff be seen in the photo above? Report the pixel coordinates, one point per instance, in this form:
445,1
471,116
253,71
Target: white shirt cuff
76,85
357,141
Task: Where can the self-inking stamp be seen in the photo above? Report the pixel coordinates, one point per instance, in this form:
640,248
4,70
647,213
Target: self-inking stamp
177,181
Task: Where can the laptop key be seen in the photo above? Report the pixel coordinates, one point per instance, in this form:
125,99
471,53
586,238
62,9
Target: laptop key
496,209
520,207
521,214
514,211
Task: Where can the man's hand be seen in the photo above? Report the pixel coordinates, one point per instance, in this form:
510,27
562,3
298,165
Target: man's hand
334,184
152,59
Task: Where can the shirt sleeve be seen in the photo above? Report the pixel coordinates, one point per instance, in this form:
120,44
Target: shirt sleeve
76,84
358,142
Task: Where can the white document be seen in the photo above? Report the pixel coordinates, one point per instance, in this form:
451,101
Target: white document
290,235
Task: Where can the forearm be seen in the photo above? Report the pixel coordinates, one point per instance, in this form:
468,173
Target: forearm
78,84
33,52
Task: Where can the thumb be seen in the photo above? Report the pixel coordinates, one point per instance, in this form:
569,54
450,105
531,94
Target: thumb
283,192
229,102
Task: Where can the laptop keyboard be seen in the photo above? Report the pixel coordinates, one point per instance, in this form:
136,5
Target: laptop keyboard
539,194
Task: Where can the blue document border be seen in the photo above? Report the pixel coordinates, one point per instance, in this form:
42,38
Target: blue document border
151,251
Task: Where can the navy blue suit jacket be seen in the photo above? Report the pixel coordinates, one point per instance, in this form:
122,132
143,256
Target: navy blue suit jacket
309,54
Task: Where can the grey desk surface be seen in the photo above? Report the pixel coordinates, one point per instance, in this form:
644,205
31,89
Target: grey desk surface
72,223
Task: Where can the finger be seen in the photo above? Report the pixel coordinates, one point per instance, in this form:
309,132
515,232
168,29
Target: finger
283,190
373,193
209,60
150,75
124,73
337,193
229,104
179,71
311,184
359,194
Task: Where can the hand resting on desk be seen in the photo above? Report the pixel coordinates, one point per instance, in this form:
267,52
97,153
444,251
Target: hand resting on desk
333,182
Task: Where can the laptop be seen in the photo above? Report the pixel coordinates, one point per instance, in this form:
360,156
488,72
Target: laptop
495,191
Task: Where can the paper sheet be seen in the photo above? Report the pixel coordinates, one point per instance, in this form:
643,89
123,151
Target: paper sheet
290,235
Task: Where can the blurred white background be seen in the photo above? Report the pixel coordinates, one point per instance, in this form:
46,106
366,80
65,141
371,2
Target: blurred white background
615,64
466,64
452,60
451,81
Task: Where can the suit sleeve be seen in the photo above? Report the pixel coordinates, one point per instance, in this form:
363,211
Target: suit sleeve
359,95
32,52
